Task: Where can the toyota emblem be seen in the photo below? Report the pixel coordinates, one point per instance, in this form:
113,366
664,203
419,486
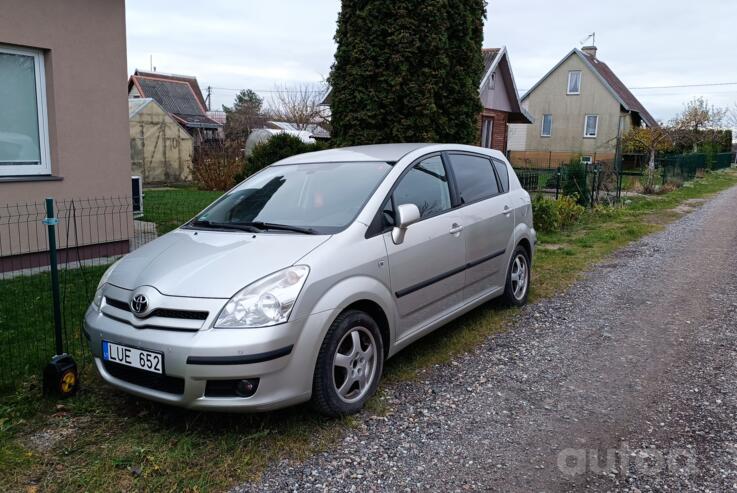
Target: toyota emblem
139,304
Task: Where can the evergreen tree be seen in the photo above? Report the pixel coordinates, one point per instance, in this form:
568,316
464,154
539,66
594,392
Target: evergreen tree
407,71
243,116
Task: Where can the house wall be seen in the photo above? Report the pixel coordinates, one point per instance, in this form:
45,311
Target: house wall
499,129
161,150
85,61
495,94
84,50
569,112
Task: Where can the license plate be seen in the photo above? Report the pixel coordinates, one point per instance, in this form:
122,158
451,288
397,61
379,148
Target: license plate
134,357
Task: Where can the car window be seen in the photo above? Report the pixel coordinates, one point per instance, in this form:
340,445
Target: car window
474,177
426,186
503,174
324,197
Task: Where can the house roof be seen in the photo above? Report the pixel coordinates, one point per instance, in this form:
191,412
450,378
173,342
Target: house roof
189,79
314,130
493,57
175,96
609,79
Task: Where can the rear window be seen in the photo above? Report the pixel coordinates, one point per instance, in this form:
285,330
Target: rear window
474,177
503,174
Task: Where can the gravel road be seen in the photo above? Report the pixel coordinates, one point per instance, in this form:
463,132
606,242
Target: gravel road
625,382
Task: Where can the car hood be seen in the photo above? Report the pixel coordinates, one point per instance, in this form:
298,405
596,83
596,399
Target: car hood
210,264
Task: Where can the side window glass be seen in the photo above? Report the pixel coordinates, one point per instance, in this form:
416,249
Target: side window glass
426,186
474,176
503,174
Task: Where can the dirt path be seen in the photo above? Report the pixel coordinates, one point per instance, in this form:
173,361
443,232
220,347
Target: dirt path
633,366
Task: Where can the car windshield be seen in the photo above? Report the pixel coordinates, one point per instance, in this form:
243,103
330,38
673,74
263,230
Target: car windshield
321,198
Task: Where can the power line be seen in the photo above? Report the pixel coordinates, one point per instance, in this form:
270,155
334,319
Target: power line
709,84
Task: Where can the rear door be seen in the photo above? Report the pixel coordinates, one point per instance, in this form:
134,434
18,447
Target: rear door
427,268
488,222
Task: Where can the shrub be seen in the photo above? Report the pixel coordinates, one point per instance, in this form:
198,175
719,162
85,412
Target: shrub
545,214
569,211
553,215
575,182
278,147
215,167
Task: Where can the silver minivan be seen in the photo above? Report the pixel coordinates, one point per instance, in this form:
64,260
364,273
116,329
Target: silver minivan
301,281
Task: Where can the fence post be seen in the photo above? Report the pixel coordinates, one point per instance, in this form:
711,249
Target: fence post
51,221
60,377
557,182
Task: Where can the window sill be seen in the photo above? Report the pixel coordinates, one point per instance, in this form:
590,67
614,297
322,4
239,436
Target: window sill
24,178
589,136
573,94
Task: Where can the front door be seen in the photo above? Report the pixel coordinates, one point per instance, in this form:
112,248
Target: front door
427,269
488,219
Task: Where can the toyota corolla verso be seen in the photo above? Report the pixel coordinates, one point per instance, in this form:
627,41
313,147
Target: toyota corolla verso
298,283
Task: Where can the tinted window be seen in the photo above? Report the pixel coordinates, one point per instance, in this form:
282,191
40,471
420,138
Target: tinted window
503,174
426,186
324,197
474,176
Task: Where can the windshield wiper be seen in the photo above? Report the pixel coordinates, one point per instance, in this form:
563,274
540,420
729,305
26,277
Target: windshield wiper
284,227
234,226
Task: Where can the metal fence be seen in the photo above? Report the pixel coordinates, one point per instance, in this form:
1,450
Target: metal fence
604,182
90,234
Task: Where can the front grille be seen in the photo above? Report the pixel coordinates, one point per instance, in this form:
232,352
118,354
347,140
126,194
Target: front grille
160,312
163,383
120,305
185,314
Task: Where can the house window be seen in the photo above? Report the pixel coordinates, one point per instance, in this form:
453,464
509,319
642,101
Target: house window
24,145
591,126
574,82
546,127
487,129
585,159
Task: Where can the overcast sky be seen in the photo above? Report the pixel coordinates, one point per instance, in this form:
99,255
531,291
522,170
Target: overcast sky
234,44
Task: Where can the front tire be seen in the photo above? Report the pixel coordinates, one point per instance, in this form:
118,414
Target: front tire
349,365
519,272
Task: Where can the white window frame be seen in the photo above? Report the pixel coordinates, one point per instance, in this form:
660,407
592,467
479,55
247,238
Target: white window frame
580,81
44,167
542,126
586,160
585,125
487,132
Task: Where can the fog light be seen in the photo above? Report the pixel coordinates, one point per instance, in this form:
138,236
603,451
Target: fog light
247,387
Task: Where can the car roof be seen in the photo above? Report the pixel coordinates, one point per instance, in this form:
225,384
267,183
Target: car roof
375,152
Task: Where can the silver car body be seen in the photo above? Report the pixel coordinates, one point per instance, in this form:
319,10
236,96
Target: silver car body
447,265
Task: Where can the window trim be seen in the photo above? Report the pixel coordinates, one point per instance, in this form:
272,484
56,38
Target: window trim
490,120
542,126
455,183
580,81
44,166
585,125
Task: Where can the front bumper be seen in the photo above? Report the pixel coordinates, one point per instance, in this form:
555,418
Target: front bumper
282,357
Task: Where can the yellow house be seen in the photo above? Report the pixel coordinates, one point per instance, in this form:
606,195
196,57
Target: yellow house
580,108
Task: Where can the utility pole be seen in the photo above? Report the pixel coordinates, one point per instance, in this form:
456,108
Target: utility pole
209,97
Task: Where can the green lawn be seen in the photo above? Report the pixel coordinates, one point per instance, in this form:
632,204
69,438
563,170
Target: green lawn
170,208
108,441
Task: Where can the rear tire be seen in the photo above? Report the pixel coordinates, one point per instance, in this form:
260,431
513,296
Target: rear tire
349,365
519,275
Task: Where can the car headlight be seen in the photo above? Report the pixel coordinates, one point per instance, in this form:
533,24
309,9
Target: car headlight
97,300
268,301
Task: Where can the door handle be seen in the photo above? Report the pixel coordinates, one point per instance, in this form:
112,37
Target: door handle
456,228
507,210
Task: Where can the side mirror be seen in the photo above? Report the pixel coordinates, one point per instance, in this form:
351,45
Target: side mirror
407,214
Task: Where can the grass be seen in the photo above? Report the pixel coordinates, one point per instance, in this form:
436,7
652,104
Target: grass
170,208
108,441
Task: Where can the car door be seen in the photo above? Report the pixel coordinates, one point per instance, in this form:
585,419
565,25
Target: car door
427,268
488,222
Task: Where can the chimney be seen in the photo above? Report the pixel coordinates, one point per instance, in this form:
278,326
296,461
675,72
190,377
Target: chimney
590,51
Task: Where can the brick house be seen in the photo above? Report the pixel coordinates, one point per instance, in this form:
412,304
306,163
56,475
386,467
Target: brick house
500,100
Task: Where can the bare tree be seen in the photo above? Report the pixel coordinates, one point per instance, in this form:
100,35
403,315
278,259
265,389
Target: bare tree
730,119
300,104
698,122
